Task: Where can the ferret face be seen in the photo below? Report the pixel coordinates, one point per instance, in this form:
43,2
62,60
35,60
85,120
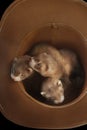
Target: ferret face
44,64
20,68
53,91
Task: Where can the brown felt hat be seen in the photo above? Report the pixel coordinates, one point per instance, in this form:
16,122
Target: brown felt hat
25,22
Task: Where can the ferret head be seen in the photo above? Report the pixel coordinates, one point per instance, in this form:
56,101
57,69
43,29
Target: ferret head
20,69
44,64
53,90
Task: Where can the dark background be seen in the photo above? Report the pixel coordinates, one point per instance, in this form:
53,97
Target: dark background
4,123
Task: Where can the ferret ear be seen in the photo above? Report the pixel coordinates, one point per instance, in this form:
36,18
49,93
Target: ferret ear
59,83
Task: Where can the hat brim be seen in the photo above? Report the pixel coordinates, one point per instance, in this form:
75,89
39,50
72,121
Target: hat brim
21,18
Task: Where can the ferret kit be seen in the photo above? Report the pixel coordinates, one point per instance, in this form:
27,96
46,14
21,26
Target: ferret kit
59,71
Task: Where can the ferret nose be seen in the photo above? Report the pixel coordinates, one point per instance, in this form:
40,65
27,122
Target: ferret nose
15,78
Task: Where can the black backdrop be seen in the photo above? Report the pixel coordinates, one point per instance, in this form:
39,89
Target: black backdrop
4,123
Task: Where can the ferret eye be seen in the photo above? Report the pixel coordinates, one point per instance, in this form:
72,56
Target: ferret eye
38,66
28,70
22,75
37,60
16,73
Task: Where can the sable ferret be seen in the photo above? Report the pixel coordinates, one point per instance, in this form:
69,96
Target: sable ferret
20,68
50,62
